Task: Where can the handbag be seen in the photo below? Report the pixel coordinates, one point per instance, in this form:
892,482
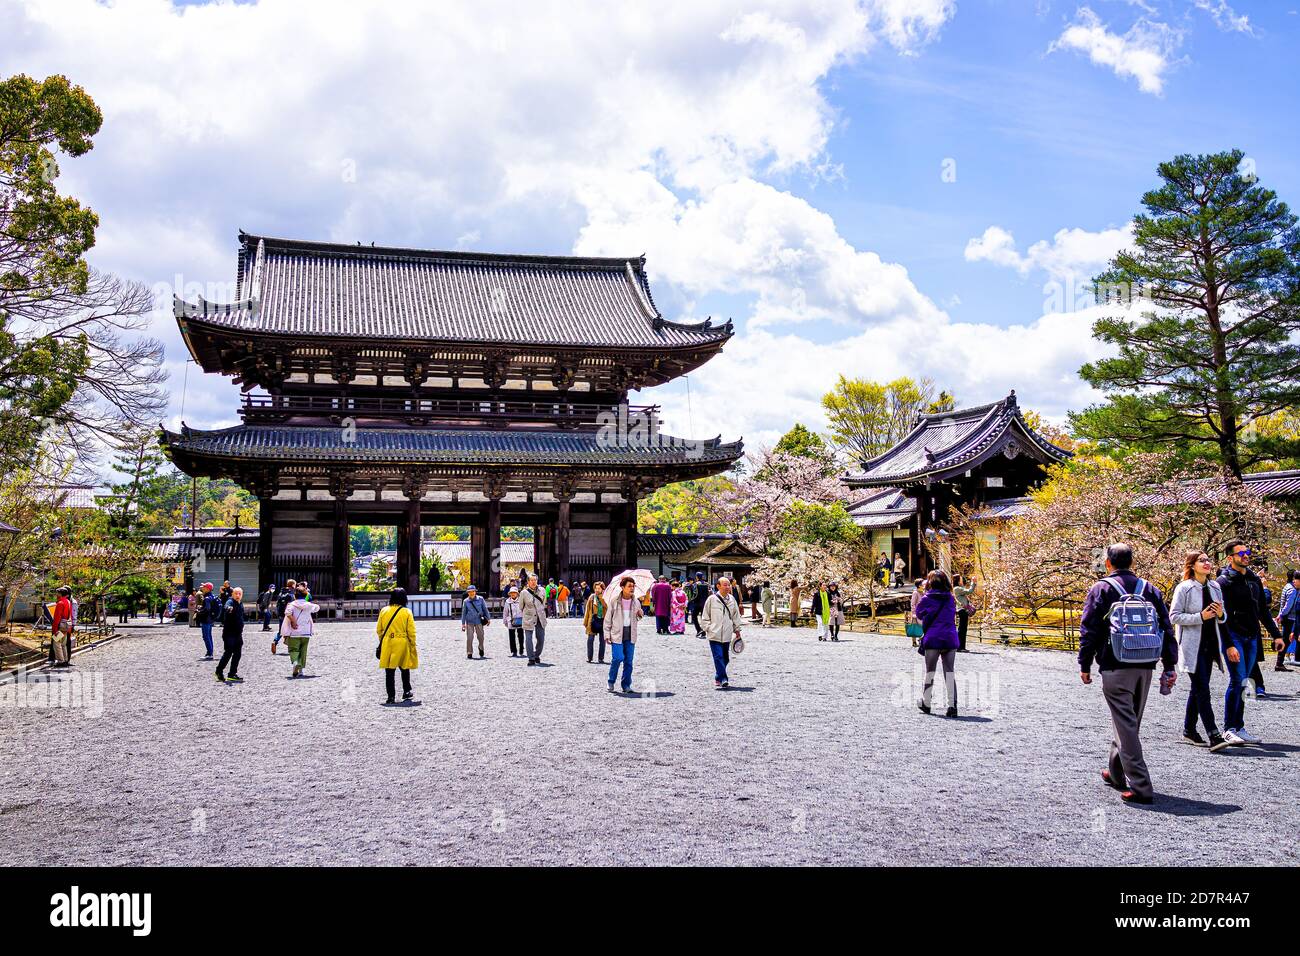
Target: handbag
380,646
914,629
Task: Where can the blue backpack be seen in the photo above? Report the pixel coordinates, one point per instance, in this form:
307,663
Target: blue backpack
1135,634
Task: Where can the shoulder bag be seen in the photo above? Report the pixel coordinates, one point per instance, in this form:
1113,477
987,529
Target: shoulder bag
380,646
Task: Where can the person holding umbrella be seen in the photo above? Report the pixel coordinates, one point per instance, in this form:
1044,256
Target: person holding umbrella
620,631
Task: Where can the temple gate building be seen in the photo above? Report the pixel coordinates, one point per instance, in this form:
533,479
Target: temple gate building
405,387
987,455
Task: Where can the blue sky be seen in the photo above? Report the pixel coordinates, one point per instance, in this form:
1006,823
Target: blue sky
785,164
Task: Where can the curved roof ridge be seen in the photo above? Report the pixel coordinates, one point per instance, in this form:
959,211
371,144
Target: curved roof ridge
995,410
467,257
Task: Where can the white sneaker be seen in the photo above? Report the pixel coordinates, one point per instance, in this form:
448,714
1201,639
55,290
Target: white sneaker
1233,740
1248,737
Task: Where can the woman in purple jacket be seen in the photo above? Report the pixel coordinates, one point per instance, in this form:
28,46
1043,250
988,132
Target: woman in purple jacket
937,612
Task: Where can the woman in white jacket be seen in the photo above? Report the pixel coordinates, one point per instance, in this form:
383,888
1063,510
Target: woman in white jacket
621,618
1195,610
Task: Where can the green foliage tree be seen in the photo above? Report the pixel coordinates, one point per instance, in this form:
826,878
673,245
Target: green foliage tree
73,364
815,524
135,591
1217,256
361,543
684,506
378,578
867,418
801,441
143,467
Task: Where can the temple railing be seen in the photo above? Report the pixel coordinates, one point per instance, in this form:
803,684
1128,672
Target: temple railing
271,408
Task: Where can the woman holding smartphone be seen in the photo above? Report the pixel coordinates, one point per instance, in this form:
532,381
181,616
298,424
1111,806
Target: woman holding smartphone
1195,612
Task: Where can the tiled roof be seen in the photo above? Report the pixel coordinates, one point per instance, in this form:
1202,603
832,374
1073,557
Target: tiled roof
675,542
428,445
182,547
333,290
1266,484
726,553
946,443
885,508
1274,484
512,552
1003,508
212,531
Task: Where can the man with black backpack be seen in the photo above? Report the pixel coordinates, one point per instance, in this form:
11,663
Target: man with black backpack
1125,628
209,613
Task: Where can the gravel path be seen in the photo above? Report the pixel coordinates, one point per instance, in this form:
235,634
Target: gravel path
817,755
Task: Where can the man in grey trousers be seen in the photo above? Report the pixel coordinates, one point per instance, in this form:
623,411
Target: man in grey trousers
532,602
473,618
1124,685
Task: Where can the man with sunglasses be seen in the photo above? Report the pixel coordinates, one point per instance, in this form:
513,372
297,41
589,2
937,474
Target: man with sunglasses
1247,609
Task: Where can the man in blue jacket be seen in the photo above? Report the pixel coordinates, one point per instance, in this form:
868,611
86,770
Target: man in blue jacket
1247,609
473,618
1124,685
208,614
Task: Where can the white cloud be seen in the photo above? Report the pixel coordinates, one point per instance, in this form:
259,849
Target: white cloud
1226,18
611,129
748,237
1145,52
1070,255
765,380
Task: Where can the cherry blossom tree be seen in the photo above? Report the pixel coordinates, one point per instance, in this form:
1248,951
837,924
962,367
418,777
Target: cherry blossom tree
1056,549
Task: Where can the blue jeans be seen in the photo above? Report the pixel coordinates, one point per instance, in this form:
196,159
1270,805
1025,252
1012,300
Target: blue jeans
206,628
721,658
622,654
1234,699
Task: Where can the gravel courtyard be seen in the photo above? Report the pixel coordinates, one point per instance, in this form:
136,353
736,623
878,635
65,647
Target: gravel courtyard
817,755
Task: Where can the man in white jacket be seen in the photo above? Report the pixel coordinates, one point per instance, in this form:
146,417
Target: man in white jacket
721,621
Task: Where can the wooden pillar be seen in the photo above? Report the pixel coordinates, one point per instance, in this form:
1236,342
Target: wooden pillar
415,547
477,560
629,519
542,552
265,556
494,565
562,542
920,562
342,567
402,573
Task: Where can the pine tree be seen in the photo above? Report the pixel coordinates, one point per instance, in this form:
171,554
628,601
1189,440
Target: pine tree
1217,256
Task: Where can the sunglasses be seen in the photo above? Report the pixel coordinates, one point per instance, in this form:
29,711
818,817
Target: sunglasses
1241,554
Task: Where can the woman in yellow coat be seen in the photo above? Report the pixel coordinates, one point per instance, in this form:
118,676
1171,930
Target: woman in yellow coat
397,650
